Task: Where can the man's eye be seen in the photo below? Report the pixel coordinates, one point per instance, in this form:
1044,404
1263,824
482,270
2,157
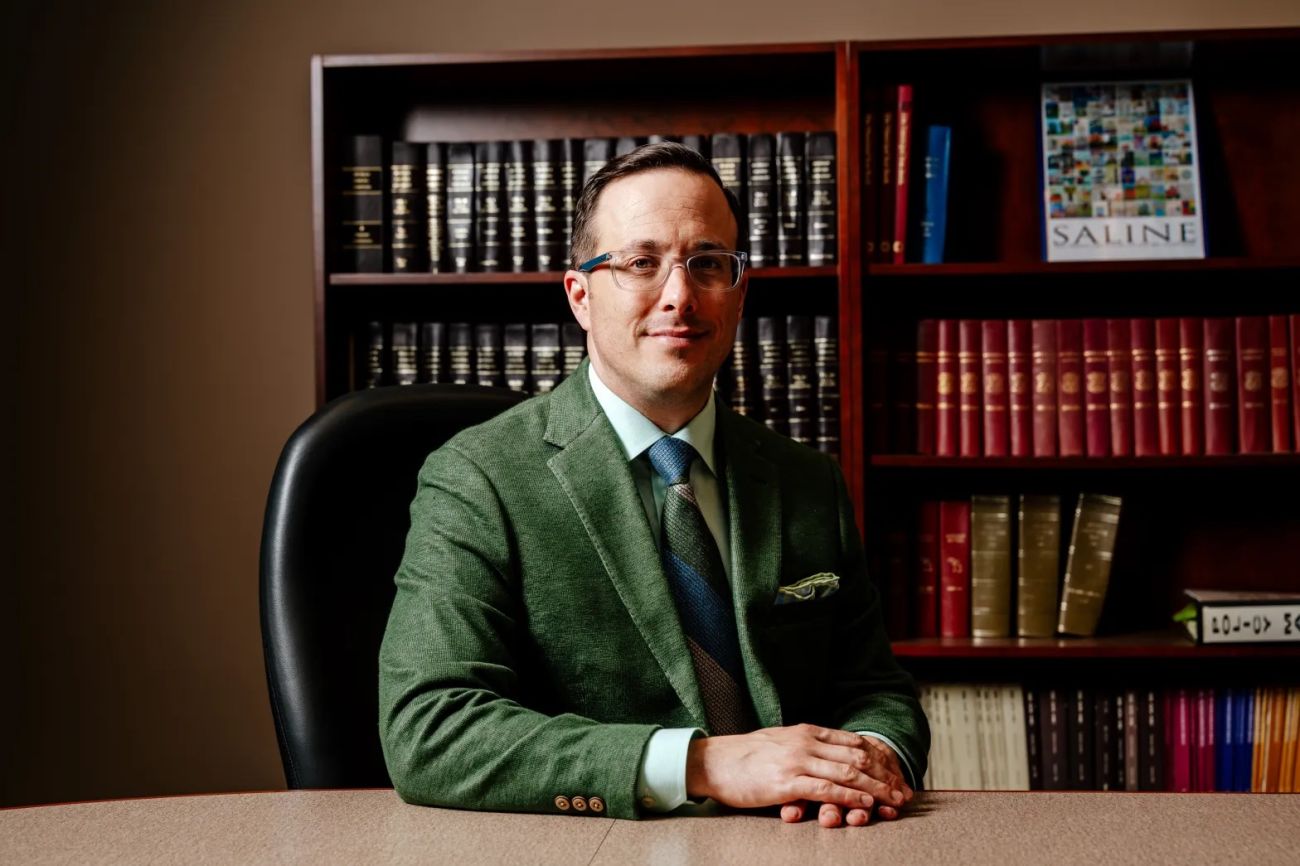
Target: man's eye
642,263
708,263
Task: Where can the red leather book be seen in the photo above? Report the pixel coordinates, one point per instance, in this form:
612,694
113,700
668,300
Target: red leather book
1119,375
927,353
1142,338
1191,397
1069,385
947,407
994,375
1096,390
972,400
1020,387
1207,738
926,607
1220,391
885,189
1279,381
954,569
1043,369
1180,775
1254,429
877,399
902,169
1168,391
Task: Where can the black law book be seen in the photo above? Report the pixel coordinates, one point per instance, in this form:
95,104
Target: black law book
1118,771
487,355
800,379
727,151
519,206
361,205
661,139
1151,738
1081,726
822,228
516,357
460,353
595,153
744,372
490,205
544,363
548,203
570,189
626,144
761,184
435,189
406,366
1052,718
772,372
1033,740
433,352
826,362
573,346
407,208
698,143
1104,773
791,211
460,208
374,373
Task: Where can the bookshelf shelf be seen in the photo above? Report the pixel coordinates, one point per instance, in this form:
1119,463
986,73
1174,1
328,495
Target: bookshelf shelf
1075,464
1053,269
1164,644
551,278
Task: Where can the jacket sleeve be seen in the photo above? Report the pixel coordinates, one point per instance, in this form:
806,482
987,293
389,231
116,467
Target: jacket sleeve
452,723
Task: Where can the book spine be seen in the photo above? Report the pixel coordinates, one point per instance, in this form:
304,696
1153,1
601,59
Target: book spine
996,401
744,381
772,371
1191,402
460,207
1103,733
1033,740
697,143
1295,379
826,364
406,364
407,202
1087,568
571,153
490,205
361,205
376,363
821,220
990,566
1151,736
460,353
902,170
548,205
902,385
947,412
626,144
1180,779
1039,554
573,346
1142,339
1219,377
729,162
1119,376
954,569
928,557
870,177
1069,386
435,192
927,354
885,187
515,344
544,357
1044,375
1279,380
1119,768
1132,741
934,222
1052,718
800,380
972,400
791,230
1081,745
487,355
433,352
1254,431
1020,391
595,153
1168,388
1097,387
519,207
762,199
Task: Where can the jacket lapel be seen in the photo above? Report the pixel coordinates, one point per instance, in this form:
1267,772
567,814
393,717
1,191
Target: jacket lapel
593,471
754,515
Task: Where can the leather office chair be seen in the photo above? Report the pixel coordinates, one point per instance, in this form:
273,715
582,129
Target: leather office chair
334,532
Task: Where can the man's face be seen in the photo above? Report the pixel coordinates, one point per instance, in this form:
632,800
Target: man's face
659,349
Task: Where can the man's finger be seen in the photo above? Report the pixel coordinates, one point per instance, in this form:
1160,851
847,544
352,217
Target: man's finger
829,815
792,813
820,790
850,777
837,737
864,761
858,817
889,813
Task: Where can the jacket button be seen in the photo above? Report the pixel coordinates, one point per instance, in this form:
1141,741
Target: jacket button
596,804
579,804
562,803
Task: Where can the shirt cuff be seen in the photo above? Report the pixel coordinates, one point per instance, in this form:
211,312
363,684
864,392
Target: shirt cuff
662,783
902,756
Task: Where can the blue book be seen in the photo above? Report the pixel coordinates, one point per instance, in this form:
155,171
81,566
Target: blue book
1245,740
934,221
1225,749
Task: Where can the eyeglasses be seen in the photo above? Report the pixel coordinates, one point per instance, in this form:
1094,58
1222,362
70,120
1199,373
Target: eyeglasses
712,271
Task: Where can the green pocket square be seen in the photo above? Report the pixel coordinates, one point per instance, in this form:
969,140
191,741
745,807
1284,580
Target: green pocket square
814,586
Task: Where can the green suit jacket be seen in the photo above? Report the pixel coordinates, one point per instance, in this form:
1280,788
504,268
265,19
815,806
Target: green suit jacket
533,645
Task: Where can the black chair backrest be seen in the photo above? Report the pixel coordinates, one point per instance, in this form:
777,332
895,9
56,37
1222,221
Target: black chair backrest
335,528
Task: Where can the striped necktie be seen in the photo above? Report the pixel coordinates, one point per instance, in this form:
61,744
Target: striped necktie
699,587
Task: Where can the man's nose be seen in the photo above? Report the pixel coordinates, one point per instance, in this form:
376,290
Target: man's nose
679,292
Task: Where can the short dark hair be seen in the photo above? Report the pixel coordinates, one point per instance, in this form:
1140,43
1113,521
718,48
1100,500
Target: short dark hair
647,157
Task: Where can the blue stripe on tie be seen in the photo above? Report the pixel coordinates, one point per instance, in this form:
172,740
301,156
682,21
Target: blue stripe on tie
705,617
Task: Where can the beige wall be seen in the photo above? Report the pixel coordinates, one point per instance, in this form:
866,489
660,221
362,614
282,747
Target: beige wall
157,265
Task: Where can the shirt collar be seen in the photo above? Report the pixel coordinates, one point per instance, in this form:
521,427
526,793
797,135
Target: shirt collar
636,432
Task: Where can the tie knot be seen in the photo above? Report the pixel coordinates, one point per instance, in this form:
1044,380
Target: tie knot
672,459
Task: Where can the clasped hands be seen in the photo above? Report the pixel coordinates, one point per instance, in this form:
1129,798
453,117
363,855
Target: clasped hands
797,765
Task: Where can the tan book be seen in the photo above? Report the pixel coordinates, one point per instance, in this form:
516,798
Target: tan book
1039,561
1260,746
990,566
1087,566
1286,779
1013,734
1276,734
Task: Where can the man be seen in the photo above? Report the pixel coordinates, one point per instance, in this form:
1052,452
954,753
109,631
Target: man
599,576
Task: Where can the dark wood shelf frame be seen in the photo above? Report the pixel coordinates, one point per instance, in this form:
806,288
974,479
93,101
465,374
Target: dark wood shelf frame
1145,645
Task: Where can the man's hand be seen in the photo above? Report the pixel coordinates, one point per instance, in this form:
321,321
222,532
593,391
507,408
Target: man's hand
797,764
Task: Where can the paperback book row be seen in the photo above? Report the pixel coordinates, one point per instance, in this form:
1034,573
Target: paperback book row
992,566
1089,387
784,371
507,206
1012,737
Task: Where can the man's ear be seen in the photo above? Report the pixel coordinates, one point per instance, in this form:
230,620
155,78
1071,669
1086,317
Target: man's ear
575,289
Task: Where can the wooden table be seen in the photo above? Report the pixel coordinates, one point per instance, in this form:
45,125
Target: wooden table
376,827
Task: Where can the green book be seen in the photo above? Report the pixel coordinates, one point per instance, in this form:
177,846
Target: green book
1040,565
990,566
1087,566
